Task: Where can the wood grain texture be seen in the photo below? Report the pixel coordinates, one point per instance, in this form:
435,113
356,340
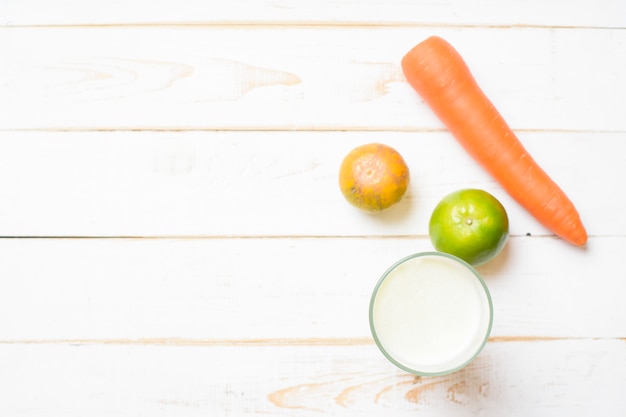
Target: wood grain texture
174,243
268,183
550,378
293,288
318,78
602,13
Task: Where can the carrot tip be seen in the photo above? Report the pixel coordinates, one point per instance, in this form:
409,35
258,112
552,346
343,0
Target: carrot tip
578,236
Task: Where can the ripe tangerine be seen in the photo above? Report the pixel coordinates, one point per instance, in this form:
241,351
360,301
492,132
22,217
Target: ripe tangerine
373,177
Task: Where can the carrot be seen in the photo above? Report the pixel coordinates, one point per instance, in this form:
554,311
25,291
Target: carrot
443,80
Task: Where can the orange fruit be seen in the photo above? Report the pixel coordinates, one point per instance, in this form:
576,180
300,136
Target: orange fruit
373,177
470,224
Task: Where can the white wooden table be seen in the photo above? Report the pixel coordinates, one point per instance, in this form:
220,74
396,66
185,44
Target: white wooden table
174,242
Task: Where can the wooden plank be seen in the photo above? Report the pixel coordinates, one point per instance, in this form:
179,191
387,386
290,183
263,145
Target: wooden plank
602,13
204,291
269,183
555,378
311,78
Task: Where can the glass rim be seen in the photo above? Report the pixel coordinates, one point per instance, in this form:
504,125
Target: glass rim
384,277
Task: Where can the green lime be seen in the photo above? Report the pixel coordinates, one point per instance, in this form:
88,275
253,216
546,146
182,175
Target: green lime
470,224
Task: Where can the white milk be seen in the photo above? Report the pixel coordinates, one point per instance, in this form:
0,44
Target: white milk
431,314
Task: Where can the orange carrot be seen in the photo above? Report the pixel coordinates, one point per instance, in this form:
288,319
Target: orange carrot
443,80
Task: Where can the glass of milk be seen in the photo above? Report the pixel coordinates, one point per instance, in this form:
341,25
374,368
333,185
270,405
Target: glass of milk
431,313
